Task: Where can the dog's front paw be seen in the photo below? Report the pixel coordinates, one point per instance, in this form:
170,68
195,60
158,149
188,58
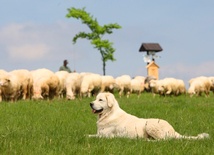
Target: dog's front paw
93,136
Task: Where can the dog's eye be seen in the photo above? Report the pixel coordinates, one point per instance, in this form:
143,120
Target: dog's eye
100,100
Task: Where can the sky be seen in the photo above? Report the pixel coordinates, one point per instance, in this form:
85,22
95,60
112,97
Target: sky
37,34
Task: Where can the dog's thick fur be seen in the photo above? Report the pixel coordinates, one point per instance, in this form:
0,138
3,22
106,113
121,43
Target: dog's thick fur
115,122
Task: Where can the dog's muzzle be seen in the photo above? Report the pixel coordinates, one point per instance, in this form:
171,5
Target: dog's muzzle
95,111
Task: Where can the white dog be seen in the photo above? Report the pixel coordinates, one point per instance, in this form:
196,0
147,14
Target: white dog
115,122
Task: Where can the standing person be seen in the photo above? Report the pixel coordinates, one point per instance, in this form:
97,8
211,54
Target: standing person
64,67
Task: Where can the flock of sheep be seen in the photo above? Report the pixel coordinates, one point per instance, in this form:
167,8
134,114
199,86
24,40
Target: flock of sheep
171,86
45,84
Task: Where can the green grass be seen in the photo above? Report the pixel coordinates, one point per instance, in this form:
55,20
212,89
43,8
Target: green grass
61,127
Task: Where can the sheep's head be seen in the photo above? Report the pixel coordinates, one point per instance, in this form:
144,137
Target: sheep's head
4,81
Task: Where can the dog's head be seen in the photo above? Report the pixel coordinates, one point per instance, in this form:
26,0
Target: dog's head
104,103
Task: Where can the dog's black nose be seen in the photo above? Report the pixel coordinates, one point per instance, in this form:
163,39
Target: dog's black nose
91,104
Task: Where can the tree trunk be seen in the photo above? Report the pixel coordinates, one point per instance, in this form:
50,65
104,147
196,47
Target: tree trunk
104,63
104,67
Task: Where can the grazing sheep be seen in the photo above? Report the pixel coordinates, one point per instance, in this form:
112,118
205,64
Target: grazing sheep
2,73
123,84
181,87
137,85
10,86
26,81
91,84
199,85
154,86
45,85
212,83
62,75
147,82
167,86
108,83
141,78
172,86
73,84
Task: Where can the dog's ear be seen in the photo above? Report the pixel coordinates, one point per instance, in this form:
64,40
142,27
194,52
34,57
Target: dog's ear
110,99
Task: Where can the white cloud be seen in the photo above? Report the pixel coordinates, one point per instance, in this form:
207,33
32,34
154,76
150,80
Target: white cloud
205,68
28,51
23,41
18,33
188,70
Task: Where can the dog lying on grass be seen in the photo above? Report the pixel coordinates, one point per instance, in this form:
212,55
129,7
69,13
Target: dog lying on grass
115,122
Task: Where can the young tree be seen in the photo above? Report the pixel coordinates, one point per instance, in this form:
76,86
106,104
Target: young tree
97,31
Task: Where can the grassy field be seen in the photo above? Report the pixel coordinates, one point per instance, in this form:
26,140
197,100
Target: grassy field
61,127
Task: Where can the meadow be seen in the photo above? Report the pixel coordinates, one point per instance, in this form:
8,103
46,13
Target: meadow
60,127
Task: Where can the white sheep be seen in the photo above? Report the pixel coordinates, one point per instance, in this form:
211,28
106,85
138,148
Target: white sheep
172,86
181,87
26,81
45,85
108,83
147,82
123,84
62,75
137,85
10,86
73,84
91,84
154,86
2,73
199,85
211,78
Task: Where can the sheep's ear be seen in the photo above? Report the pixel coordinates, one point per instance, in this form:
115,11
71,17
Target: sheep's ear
110,99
